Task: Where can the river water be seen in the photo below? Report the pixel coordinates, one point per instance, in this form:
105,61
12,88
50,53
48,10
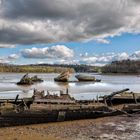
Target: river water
79,90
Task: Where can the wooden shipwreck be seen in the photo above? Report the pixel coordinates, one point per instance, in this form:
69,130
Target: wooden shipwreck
62,98
26,80
85,77
43,108
63,77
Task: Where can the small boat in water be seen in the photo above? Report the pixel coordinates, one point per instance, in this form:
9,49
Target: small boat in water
63,77
85,77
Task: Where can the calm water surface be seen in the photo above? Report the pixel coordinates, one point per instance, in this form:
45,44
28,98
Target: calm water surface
79,90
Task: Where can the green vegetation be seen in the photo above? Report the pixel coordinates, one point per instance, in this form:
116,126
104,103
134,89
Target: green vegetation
32,69
47,68
125,66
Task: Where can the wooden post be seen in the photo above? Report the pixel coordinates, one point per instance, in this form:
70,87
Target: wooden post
61,116
105,102
48,93
135,99
111,102
16,99
67,91
61,92
97,99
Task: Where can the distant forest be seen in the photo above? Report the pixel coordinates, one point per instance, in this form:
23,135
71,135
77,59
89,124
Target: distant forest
125,66
47,68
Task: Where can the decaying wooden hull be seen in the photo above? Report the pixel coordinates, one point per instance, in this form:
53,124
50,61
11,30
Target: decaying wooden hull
121,97
82,77
42,110
45,116
26,80
63,77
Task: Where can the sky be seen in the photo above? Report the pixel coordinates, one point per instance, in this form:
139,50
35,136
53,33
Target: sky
69,31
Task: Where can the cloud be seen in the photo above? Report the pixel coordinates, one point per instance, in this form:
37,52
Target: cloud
7,46
123,56
109,57
90,60
135,55
45,21
101,40
4,60
102,59
99,59
58,51
13,57
9,59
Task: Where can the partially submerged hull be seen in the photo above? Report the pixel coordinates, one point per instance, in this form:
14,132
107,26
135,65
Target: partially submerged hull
26,80
82,77
63,77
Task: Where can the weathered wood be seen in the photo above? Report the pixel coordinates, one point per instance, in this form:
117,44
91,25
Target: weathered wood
115,93
124,112
16,98
63,77
135,99
26,80
45,113
61,116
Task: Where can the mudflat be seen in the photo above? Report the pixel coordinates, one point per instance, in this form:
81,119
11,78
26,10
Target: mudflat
109,128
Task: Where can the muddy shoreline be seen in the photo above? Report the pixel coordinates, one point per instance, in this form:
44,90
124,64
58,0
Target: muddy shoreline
116,127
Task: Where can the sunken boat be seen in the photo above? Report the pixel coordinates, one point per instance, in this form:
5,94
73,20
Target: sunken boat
63,77
26,80
85,77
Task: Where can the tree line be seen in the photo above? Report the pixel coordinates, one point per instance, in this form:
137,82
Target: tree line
47,68
124,66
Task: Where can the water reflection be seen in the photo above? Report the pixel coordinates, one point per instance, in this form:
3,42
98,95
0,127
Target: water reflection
63,84
80,90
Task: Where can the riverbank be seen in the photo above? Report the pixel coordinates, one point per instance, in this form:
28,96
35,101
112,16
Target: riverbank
116,127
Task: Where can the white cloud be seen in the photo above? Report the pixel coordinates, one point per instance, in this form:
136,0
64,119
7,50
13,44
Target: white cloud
123,56
7,46
135,55
3,60
64,61
109,57
9,59
89,60
101,40
22,22
58,51
13,56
